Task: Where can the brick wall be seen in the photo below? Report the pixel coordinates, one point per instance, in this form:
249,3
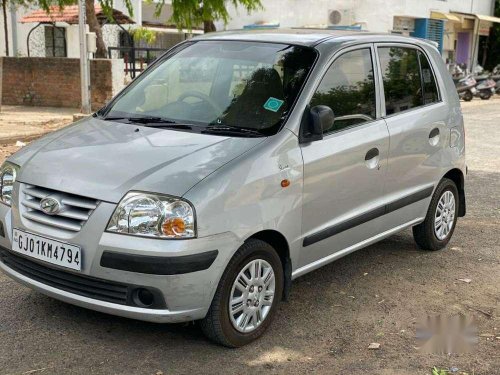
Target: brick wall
55,82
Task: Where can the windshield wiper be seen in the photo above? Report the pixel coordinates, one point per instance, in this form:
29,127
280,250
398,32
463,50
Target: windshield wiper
232,130
152,122
142,120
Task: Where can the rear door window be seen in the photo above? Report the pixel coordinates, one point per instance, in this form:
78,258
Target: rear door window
429,82
401,78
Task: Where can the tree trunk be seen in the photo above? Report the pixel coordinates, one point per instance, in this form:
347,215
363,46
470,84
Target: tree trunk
6,27
95,27
209,26
485,51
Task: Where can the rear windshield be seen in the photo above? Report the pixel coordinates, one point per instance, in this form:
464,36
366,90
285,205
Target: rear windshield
239,84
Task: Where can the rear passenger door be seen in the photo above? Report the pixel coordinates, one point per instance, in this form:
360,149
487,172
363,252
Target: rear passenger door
416,118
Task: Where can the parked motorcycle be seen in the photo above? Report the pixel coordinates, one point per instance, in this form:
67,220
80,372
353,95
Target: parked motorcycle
466,87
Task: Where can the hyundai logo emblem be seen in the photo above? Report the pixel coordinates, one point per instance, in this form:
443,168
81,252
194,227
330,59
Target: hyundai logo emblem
50,206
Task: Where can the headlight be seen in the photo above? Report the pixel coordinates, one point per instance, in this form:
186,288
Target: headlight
153,215
8,174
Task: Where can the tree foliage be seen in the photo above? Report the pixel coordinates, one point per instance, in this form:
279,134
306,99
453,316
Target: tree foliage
142,34
191,13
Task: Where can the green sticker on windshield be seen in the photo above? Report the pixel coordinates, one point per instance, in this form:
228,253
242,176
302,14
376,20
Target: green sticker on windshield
273,104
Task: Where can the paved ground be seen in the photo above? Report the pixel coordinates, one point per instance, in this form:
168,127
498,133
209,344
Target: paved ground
374,295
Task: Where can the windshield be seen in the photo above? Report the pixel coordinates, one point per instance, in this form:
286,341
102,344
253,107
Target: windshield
243,85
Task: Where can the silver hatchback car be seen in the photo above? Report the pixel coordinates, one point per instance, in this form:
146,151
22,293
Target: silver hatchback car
234,164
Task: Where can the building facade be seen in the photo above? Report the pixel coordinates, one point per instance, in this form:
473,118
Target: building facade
61,39
456,25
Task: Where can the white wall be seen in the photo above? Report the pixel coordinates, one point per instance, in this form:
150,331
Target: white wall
72,41
378,14
136,6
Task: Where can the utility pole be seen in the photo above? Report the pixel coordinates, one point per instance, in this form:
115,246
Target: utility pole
84,59
13,22
1,80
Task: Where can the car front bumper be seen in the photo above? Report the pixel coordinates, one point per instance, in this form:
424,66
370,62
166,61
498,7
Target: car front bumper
186,286
146,314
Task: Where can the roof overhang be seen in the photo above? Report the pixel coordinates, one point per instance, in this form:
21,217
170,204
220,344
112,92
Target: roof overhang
480,17
488,18
444,16
69,15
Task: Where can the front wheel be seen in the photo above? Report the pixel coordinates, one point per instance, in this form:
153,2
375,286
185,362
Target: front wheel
467,96
435,231
247,297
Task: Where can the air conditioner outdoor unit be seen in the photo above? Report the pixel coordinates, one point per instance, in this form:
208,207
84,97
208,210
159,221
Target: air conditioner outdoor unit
404,24
340,17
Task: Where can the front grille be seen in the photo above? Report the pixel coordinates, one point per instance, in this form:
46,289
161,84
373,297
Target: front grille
75,211
82,285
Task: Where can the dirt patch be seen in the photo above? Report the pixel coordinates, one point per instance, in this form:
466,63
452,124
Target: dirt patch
19,123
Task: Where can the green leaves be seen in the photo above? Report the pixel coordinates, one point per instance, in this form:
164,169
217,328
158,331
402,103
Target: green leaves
192,13
186,14
46,4
143,34
436,371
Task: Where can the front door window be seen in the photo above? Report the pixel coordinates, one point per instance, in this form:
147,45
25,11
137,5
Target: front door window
348,88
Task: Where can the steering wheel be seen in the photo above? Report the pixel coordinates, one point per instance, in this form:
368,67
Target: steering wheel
201,96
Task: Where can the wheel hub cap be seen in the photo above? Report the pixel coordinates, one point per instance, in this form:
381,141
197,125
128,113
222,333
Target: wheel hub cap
444,218
252,295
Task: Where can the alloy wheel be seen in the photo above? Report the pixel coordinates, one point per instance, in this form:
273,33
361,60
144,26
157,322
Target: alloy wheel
444,218
252,295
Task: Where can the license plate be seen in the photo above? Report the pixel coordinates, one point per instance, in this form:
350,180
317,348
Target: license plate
46,249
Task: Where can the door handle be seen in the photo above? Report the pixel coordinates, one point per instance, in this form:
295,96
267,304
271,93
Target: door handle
373,153
434,137
372,159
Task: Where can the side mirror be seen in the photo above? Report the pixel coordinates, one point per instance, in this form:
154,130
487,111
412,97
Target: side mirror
315,122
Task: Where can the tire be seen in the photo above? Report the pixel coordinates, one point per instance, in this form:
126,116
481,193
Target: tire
485,96
468,96
425,233
218,324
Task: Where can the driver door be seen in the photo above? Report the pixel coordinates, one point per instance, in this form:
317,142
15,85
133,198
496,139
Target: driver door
344,172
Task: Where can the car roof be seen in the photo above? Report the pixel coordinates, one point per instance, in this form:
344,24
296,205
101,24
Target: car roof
302,36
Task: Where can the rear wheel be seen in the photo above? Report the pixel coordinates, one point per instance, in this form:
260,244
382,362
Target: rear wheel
485,96
247,297
435,231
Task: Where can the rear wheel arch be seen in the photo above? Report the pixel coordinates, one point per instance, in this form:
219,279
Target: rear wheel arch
457,176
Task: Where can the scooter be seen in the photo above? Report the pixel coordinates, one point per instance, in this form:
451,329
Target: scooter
485,87
466,87
495,76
